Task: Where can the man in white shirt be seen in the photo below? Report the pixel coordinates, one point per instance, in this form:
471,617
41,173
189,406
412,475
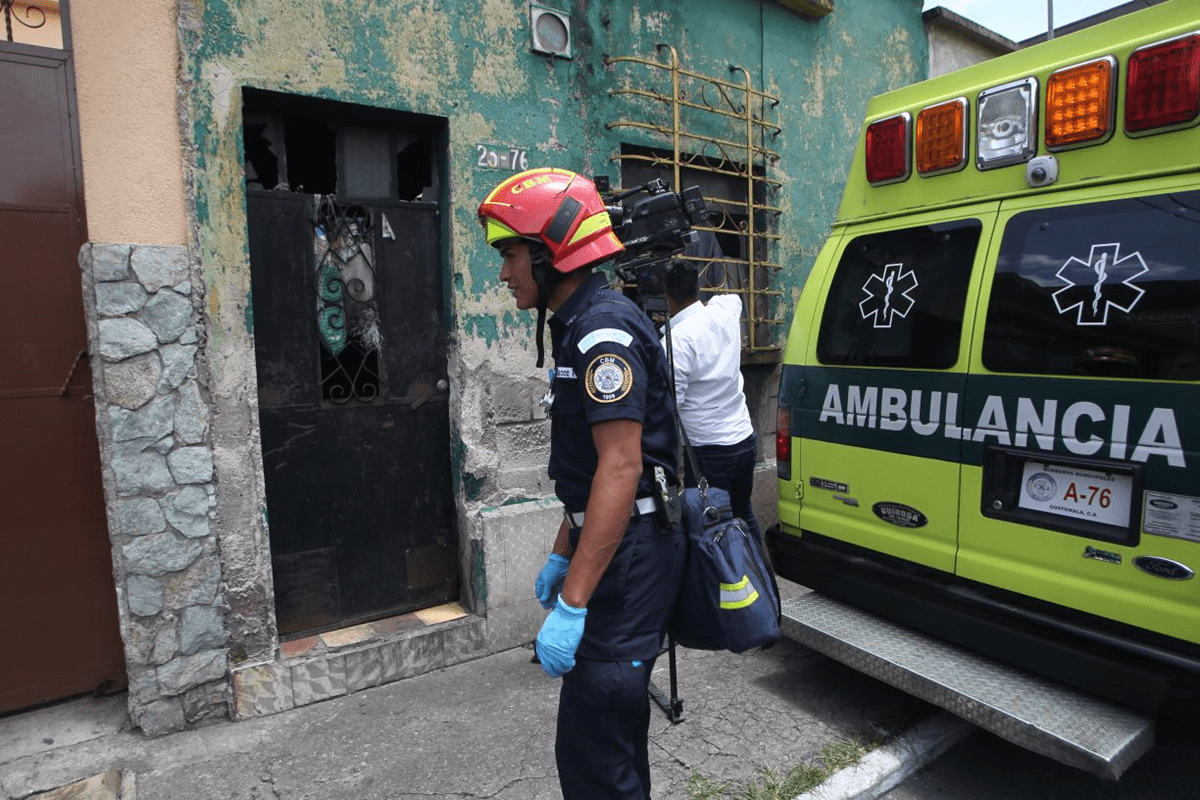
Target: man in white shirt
706,342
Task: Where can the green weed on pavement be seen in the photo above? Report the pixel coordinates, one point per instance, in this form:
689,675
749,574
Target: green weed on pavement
770,785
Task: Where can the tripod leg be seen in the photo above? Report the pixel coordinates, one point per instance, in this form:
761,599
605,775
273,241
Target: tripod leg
672,707
676,715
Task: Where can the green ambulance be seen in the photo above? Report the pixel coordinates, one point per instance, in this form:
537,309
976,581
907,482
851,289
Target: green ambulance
989,420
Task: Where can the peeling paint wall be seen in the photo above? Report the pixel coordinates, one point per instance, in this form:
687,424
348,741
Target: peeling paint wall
470,65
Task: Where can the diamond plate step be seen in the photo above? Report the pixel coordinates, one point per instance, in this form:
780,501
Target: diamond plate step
1036,713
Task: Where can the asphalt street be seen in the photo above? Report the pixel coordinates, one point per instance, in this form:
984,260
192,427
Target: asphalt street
485,728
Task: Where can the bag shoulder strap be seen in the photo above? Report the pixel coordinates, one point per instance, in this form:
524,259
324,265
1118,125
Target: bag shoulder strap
701,482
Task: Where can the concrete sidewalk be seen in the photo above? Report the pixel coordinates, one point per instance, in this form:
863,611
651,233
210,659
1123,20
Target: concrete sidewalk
479,729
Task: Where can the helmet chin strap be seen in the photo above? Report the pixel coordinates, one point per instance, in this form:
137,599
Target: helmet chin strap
546,278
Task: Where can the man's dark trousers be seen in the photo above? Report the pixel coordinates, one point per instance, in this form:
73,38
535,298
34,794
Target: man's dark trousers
730,467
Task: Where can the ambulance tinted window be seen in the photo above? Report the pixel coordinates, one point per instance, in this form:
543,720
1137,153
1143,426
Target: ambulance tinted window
897,298
1108,288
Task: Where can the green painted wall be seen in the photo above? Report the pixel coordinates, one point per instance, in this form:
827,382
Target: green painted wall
470,63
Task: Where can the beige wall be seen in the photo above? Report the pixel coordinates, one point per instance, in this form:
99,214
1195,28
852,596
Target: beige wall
126,64
956,42
951,50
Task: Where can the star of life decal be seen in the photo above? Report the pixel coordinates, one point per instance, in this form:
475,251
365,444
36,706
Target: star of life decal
888,295
1103,282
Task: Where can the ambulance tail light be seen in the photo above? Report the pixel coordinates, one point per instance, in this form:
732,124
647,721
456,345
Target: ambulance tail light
889,145
942,137
1162,88
783,442
1007,124
1080,101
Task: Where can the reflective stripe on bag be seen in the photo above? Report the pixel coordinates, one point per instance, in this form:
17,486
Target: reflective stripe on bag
738,595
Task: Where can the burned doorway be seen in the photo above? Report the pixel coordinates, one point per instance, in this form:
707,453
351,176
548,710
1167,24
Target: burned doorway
348,300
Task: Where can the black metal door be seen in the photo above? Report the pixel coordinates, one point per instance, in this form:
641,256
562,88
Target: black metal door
350,344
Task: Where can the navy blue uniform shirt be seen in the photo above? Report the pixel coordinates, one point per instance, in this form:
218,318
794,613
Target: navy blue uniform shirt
608,365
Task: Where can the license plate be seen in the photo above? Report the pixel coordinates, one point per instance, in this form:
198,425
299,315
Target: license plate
1083,494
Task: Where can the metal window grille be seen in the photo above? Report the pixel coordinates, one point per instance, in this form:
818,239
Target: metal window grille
714,133
36,22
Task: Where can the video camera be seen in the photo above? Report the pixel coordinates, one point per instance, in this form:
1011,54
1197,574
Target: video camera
653,230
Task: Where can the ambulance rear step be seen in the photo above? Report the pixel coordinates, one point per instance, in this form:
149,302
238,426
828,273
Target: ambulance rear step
1039,714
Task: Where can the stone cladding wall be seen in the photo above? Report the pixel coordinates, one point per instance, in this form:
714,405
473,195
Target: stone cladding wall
152,417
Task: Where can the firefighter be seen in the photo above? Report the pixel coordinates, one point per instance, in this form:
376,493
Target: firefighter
612,577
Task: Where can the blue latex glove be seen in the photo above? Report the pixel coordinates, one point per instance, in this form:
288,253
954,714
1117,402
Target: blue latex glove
550,580
559,638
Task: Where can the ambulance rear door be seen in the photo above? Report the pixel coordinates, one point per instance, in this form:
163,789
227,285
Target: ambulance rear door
1081,478
876,421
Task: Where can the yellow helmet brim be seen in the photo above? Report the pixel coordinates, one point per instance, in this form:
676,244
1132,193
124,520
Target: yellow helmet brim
496,231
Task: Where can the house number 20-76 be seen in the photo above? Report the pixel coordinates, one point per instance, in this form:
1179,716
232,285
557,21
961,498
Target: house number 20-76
497,157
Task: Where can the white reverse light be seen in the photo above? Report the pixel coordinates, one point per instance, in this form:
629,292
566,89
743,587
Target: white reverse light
1007,124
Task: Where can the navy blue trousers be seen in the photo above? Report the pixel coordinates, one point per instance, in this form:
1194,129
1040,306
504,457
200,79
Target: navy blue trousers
603,725
604,704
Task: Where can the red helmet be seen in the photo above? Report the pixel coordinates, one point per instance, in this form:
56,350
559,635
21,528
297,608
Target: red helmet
557,207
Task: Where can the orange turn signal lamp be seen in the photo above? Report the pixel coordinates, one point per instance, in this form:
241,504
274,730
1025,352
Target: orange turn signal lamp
942,137
1079,104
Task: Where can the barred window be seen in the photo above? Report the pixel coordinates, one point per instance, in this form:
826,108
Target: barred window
720,141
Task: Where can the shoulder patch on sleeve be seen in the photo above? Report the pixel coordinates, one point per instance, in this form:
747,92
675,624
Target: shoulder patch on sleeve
604,335
608,379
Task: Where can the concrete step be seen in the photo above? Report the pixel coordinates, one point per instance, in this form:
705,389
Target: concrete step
1039,714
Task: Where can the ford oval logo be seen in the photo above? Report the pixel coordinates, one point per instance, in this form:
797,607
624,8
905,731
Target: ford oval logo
899,514
1166,505
1163,568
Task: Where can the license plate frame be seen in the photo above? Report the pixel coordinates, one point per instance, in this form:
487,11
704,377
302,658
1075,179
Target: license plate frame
1100,496
1064,493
